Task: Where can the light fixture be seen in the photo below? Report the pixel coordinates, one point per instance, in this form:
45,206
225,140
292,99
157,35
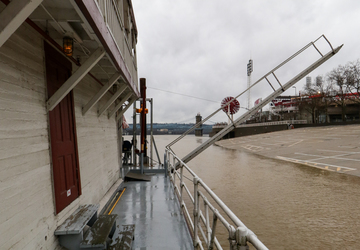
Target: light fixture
68,45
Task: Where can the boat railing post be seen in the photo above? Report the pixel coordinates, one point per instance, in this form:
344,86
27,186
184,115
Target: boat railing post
142,163
165,164
232,239
134,135
173,171
181,183
168,165
212,237
196,211
241,240
207,220
173,163
151,132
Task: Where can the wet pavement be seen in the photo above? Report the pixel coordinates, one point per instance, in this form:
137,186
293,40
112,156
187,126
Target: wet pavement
331,148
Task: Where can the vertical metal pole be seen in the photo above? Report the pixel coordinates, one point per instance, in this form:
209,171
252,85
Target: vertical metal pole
141,163
165,164
173,163
241,233
211,245
151,131
207,223
249,70
156,151
174,172
143,116
134,134
249,94
233,245
196,211
168,161
181,184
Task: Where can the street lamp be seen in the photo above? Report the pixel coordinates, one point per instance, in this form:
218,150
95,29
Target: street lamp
295,90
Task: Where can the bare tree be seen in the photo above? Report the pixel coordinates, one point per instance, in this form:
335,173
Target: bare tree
312,100
353,80
342,88
325,90
337,79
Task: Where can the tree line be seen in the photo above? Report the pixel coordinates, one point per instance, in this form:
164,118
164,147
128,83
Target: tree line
339,88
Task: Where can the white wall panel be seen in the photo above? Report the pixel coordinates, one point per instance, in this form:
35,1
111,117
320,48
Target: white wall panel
27,213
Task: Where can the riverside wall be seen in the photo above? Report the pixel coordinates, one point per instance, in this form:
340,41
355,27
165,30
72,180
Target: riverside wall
261,129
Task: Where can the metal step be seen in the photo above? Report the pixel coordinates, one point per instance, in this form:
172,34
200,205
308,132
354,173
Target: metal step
123,237
97,237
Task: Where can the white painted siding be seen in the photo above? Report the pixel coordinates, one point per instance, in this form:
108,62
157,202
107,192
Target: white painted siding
97,144
27,212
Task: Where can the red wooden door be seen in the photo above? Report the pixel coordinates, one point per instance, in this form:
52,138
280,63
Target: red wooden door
66,174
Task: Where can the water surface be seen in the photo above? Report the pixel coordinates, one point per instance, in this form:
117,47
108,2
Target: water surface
287,205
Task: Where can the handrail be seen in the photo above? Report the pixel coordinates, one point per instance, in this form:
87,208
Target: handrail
239,234
288,122
265,101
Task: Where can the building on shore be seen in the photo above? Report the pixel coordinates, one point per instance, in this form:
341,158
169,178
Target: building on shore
67,73
317,108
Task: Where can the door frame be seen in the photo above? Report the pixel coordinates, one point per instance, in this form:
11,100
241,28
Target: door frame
61,59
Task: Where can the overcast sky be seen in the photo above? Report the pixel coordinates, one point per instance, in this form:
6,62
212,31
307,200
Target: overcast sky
201,48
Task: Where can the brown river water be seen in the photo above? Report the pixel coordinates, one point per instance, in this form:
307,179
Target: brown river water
287,205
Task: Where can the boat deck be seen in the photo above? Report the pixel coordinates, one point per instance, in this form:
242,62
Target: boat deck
154,209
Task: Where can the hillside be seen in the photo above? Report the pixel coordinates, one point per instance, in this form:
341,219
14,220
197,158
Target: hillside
169,128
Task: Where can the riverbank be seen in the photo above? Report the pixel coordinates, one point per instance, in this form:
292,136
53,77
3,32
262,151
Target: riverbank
331,148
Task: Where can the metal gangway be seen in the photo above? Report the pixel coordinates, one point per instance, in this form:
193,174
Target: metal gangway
203,230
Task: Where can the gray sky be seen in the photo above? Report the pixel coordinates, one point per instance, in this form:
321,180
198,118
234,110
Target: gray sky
201,48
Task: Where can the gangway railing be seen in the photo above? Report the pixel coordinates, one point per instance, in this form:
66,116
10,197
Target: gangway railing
266,100
239,234
288,122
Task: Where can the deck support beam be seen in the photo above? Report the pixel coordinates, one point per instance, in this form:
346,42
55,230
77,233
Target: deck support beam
14,14
119,105
101,93
120,114
75,78
111,100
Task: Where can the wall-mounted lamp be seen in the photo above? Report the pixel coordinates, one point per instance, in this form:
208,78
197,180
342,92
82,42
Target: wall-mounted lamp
68,45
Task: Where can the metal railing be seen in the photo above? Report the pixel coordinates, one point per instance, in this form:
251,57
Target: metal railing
288,122
239,234
113,17
276,92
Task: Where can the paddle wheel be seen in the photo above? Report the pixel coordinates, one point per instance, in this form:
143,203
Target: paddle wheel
232,107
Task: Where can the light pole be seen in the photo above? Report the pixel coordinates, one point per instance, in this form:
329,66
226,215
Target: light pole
295,90
249,70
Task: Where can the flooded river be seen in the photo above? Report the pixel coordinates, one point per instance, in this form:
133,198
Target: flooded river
287,205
